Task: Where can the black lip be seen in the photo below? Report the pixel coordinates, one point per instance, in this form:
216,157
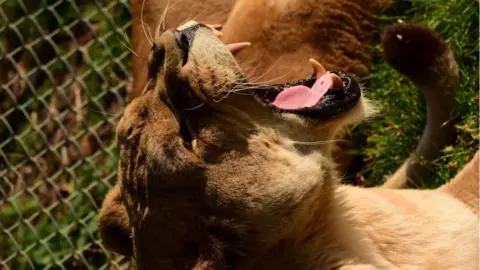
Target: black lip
332,103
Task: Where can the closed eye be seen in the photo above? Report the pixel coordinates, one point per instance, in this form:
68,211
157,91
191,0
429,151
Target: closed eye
185,131
156,62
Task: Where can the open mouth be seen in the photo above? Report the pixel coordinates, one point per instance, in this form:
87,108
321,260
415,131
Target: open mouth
323,95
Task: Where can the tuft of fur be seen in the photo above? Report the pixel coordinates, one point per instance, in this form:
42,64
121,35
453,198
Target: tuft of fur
423,56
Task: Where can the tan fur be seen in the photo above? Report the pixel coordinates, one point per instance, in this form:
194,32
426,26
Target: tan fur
284,35
148,13
245,194
338,32
464,187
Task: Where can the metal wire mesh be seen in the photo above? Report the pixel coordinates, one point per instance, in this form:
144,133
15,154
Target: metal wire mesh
63,78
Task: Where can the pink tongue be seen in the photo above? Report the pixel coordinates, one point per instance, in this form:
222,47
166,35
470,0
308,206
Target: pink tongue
300,96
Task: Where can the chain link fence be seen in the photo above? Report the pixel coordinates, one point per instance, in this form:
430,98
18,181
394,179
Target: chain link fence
64,76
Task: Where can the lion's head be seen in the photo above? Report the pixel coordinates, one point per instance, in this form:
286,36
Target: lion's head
212,167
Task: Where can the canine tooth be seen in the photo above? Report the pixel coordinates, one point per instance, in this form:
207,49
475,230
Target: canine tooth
215,28
317,68
337,81
237,47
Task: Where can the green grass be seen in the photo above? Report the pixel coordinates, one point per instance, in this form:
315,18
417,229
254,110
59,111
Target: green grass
391,137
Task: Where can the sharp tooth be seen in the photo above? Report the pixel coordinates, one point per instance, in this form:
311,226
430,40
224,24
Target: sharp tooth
235,48
317,68
337,81
215,28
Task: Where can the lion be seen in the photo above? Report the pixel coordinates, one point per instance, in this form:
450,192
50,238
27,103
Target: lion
283,36
217,172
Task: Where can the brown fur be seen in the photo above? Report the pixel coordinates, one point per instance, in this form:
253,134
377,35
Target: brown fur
339,32
284,35
213,180
425,58
205,11
114,225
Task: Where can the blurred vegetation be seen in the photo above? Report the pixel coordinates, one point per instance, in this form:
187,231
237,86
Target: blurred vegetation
55,166
64,72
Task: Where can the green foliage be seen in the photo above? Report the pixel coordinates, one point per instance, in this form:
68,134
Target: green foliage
48,216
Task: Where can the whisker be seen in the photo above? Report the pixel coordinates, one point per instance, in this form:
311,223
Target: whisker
145,88
159,23
241,94
130,49
150,33
199,14
264,83
194,108
186,20
222,98
348,131
239,87
246,71
103,113
125,35
242,66
270,69
163,18
143,25
255,68
318,142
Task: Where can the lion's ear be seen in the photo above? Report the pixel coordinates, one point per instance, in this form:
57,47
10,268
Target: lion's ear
113,224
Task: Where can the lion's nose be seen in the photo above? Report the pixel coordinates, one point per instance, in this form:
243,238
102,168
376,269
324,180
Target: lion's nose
183,40
185,37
